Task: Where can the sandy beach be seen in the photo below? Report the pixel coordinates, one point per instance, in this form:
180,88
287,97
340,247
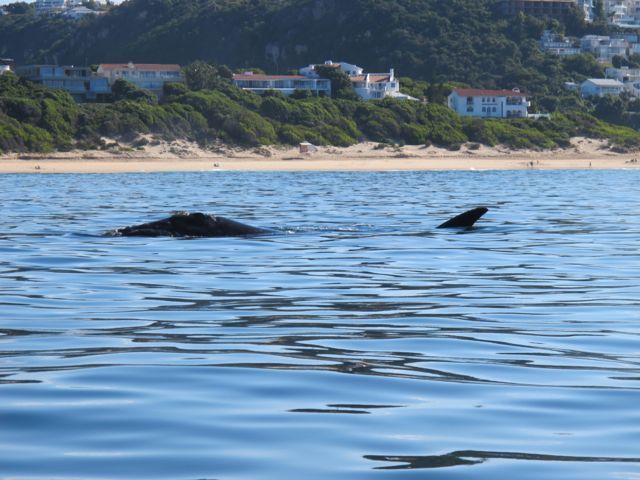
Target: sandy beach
182,156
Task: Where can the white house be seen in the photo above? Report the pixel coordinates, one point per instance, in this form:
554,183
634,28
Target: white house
375,86
76,13
630,78
348,68
558,44
368,86
150,76
80,82
285,84
599,87
44,7
473,102
604,47
4,69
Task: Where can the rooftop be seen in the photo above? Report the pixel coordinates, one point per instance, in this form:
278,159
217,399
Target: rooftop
260,76
605,82
141,66
477,92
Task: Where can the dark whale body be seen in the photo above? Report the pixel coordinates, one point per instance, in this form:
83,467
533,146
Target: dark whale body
190,225
466,219
186,224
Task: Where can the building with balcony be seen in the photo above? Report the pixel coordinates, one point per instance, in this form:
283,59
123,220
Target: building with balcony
148,76
376,86
472,102
599,87
604,47
285,84
368,86
80,82
559,44
48,7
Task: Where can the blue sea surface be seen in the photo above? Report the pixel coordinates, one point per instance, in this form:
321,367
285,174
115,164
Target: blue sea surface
355,342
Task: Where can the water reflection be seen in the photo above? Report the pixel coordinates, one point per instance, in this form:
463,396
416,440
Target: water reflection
472,457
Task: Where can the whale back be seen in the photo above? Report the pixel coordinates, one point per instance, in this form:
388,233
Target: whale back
186,224
466,219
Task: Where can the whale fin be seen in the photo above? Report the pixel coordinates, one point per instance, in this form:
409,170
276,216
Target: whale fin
466,219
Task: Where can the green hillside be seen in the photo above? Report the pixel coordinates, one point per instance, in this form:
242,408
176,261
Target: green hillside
433,40
432,44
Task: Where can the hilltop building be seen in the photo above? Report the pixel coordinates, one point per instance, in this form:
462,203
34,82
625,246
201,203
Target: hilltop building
80,82
558,44
69,8
148,76
599,87
4,69
347,68
472,102
47,7
76,13
285,84
629,77
604,47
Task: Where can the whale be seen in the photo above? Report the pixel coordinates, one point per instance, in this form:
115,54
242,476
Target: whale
466,219
186,224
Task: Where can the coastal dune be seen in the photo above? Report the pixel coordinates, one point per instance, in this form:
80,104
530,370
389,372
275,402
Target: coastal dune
183,156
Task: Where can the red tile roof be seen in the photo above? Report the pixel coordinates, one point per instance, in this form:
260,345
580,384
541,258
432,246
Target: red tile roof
142,66
477,92
257,76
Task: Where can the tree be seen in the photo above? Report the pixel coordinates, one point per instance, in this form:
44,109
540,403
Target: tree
124,90
610,108
341,86
201,75
20,8
599,15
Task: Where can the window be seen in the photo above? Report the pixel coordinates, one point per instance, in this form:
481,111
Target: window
469,109
494,109
484,109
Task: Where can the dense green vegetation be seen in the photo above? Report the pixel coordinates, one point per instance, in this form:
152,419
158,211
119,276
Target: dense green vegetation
433,44
33,118
433,40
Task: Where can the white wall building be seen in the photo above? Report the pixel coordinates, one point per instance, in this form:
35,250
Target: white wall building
376,86
44,7
285,84
558,44
629,77
599,87
4,69
76,13
604,47
348,68
472,102
368,86
150,76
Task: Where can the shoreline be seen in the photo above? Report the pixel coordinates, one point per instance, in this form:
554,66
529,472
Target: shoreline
184,157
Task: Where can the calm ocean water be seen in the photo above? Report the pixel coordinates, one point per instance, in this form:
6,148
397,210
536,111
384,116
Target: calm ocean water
355,343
